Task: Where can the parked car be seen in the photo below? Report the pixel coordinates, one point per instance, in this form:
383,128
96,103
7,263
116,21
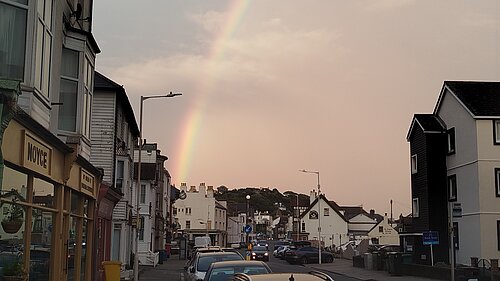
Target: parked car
275,252
198,266
221,271
307,255
280,243
282,252
259,253
310,276
343,247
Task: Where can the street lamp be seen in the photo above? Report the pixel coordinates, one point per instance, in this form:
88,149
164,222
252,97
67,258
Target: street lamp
248,204
319,213
138,184
298,218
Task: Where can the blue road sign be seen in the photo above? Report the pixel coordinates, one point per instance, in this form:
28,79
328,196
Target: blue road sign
430,238
248,228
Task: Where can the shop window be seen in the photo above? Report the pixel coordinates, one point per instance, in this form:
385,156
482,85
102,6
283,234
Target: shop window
43,193
75,203
71,247
41,244
14,181
84,249
13,21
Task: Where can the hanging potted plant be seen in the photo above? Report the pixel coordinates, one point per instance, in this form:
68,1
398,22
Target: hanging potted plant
13,219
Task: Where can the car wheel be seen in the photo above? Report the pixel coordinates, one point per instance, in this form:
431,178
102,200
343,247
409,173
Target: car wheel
304,260
329,259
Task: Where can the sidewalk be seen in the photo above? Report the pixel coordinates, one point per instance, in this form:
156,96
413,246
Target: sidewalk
344,267
171,270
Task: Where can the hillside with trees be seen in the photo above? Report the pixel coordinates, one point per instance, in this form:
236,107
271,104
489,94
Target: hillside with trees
262,199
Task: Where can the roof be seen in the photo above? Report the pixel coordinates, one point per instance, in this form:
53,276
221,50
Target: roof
478,97
103,83
331,204
429,123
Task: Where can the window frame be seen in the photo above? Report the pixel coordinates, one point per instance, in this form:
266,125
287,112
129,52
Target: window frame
451,143
415,207
496,131
498,235
456,236
25,71
497,182
142,194
326,212
43,53
413,164
118,177
451,182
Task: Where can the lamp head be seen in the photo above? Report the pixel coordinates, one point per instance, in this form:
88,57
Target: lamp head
171,95
248,197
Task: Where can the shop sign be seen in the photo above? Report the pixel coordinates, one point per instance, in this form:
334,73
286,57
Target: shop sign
36,155
86,181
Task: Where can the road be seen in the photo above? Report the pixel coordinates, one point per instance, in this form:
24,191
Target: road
173,270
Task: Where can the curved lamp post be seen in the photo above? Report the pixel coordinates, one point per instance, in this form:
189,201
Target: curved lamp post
319,213
138,184
247,215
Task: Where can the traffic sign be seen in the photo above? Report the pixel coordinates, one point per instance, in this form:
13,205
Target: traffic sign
248,228
430,238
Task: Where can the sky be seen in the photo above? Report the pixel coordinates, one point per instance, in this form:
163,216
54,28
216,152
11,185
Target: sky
273,87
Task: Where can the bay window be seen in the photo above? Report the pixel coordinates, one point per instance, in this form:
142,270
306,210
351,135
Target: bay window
13,24
43,49
69,90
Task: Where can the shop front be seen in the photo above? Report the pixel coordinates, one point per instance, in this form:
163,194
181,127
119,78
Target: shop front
47,205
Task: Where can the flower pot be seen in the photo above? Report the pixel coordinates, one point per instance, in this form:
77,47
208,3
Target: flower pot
11,226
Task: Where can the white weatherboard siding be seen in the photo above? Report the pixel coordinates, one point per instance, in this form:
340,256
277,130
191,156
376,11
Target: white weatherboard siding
103,133
473,164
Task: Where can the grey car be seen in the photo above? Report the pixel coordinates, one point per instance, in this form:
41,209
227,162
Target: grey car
222,271
198,266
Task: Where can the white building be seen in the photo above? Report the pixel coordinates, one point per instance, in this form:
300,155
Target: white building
384,233
471,112
200,214
323,215
235,227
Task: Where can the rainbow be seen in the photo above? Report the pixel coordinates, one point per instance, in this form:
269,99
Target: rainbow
186,143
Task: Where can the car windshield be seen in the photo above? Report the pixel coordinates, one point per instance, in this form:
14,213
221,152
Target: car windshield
259,248
206,261
221,274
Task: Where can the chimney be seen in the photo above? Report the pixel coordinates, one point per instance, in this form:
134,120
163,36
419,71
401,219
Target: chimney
183,187
372,212
312,196
210,191
202,188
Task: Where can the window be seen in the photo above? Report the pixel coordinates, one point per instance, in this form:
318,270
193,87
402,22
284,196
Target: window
303,226
141,228
143,194
326,212
496,131
414,164
381,229
415,208
188,211
88,85
498,235
451,140
119,174
69,90
188,224
452,188
13,17
43,49
497,182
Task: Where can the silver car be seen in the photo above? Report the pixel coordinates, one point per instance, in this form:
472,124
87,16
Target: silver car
198,266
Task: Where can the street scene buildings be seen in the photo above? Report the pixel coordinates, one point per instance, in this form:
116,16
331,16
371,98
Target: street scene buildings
71,198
